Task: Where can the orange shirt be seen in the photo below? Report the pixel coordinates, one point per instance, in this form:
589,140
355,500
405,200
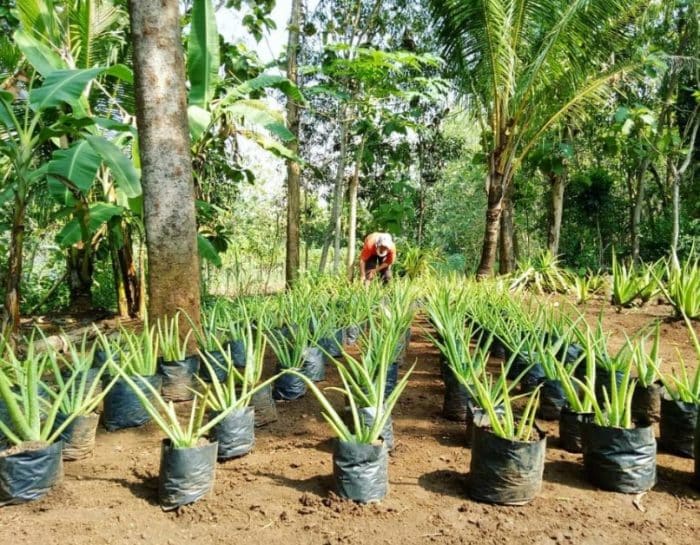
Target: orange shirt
369,250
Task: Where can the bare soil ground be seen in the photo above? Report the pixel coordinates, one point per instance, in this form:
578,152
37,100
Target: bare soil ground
282,491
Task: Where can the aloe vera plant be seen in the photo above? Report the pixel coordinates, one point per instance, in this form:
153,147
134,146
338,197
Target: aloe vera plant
647,362
142,348
616,409
173,346
625,283
682,289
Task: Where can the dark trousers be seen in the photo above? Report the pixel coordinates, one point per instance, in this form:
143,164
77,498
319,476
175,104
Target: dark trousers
373,263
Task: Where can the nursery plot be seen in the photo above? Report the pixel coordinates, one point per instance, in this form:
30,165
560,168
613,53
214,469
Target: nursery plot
281,492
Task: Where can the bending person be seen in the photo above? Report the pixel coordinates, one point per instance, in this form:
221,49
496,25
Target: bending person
377,256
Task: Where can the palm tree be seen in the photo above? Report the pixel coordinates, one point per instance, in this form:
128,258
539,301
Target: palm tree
528,65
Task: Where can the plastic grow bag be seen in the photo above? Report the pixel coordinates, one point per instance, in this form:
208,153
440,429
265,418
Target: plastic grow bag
392,379
478,418
79,436
264,405
100,358
617,459
178,378
186,474
677,427
367,414
571,429
237,350
29,475
646,404
602,379
333,345
361,471
697,456
122,409
505,472
552,400
314,366
235,434
534,373
288,387
352,334
218,362
456,399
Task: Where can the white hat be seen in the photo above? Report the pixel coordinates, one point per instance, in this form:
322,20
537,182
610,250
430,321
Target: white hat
383,240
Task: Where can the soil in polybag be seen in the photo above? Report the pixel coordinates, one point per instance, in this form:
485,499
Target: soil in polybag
505,472
264,405
178,378
552,400
621,460
361,471
314,366
235,434
288,387
571,429
217,362
456,399
79,436
186,475
646,404
122,409
677,427
29,471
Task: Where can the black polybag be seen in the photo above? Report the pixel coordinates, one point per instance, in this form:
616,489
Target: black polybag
264,405
79,436
505,472
237,349
122,408
186,474
456,397
677,427
571,429
333,345
29,475
392,379
697,456
361,471
352,333
552,400
288,387
602,379
217,361
367,414
618,459
235,434
646,404
314,366
178,378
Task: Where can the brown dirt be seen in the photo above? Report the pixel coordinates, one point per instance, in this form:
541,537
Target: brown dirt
282,491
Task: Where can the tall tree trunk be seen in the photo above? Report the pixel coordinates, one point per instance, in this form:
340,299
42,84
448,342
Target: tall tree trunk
293,168
496,183
352,216
556,211
333,233
169,210
507,234
637,209
14,269
80,268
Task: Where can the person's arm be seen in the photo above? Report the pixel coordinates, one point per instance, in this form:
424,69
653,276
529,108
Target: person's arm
362,268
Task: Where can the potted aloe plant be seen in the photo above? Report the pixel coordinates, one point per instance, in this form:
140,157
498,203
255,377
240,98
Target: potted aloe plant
139,360
360,462
579,405
32,465
176,368
646,401
617,454
508,455
210,342
235,433
679,406
188,458
83,393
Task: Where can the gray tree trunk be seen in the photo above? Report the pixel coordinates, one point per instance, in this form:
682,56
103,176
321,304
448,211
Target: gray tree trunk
293,168
166,170
352,215
556,212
